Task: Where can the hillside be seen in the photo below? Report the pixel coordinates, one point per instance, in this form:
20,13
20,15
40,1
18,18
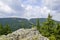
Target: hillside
33,20
16,23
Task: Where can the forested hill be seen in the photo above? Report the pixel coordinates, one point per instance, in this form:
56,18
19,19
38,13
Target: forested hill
16,23
33,20
42,20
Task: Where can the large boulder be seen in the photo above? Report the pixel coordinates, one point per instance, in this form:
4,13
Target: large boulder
25,34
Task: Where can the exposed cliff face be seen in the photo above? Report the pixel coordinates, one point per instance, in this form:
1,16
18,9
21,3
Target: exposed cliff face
24,34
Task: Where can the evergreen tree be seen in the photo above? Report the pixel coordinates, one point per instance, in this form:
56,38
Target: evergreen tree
7,29
44,30
52,37
38,24
57,31
50,23
48,27
1,29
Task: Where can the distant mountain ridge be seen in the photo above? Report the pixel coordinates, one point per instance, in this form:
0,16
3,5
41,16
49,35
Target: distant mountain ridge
33,20
16,23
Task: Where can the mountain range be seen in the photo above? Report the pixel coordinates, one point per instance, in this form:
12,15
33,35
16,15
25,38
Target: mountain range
17,23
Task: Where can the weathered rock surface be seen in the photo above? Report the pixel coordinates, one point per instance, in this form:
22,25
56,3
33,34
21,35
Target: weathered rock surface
24,34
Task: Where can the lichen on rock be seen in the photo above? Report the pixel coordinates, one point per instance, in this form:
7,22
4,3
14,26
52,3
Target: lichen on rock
24,34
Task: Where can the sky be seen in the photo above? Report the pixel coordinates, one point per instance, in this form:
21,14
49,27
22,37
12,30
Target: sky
30,8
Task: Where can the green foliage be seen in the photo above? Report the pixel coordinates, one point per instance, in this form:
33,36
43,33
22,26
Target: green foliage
52,37
38,24
5,30
22,24
49,28
1,29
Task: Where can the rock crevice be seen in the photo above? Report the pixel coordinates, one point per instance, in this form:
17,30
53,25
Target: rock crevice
24,34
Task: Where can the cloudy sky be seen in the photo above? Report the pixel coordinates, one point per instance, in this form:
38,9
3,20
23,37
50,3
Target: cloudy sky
30,8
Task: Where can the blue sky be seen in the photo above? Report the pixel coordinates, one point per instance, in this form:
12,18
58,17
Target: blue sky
30,8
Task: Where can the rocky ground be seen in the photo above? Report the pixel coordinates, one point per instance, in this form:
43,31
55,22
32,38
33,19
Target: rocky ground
24,34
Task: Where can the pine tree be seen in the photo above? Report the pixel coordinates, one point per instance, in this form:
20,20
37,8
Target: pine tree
52,37
7,29
50,23
38,24
48,27
57,31
1,29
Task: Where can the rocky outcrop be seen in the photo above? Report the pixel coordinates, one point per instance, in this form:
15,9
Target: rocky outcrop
24,34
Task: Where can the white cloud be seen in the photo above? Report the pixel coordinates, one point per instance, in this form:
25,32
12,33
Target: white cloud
5,8
30,8
56,17
35,11
52,4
